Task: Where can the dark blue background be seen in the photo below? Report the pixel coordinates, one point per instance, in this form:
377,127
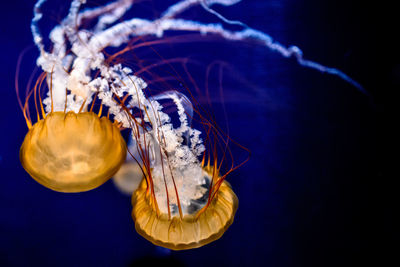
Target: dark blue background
317,190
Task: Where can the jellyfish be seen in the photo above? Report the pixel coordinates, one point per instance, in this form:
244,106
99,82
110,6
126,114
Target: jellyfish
183,200
70,148
130,174
128,177
72,152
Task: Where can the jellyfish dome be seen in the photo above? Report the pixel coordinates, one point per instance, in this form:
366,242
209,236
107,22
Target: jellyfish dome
200,223
72,152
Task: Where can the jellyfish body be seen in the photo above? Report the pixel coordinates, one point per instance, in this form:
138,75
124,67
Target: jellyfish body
128,177
72,152
190,231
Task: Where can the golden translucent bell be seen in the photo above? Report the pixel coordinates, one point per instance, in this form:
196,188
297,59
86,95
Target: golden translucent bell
73,152
189,232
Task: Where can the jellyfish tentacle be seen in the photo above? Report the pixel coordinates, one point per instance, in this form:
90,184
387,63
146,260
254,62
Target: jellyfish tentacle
106,14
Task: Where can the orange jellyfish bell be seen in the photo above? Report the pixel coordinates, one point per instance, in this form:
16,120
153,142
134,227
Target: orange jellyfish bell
72,152
189,231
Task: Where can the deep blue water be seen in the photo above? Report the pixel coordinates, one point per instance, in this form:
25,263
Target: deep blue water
314,192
